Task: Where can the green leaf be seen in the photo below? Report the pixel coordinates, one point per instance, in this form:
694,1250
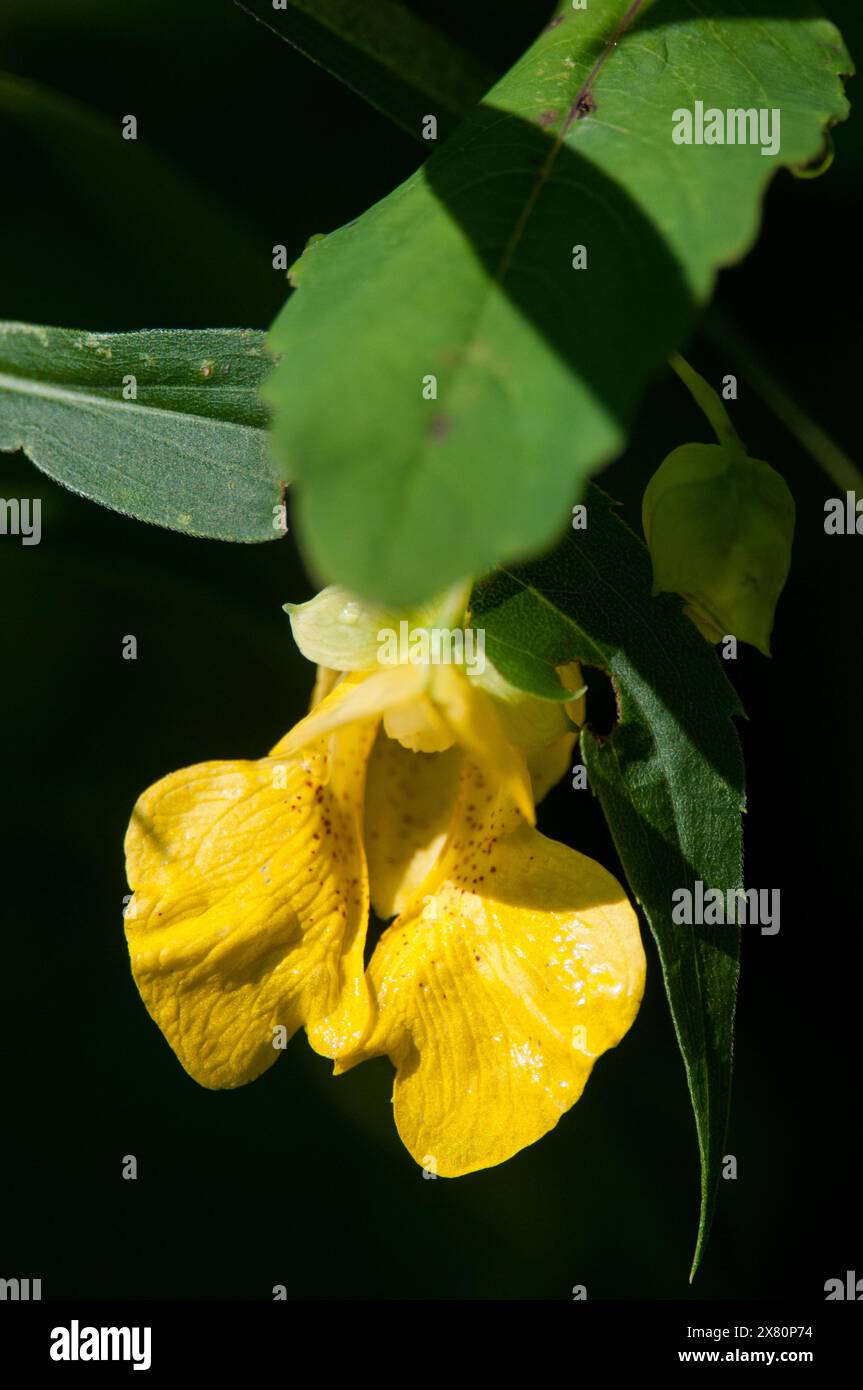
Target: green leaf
669,777
189,452
465,274
397,62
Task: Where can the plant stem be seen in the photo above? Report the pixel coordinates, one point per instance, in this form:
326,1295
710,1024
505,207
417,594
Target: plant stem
704,396
816,441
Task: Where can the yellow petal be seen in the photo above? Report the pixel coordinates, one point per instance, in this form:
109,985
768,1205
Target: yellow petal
496,993
547,765
326,679
478,727
357,698
418,727
571,676
528,721
410,799
250,907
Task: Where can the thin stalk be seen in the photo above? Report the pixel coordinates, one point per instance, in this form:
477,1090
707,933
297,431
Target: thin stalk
707,399
778,399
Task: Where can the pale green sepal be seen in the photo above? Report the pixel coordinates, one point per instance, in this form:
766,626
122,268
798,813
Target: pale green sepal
338,630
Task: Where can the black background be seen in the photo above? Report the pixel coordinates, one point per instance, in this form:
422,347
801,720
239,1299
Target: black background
298,1179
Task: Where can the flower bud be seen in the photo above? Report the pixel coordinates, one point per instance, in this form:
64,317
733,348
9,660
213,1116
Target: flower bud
719,526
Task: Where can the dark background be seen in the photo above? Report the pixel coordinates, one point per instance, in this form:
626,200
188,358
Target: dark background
297,1179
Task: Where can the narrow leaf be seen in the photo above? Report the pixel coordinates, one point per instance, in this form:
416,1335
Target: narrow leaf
669,777
402,66
164,425
479,376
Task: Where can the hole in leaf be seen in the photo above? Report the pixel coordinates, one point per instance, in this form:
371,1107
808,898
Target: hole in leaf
603,711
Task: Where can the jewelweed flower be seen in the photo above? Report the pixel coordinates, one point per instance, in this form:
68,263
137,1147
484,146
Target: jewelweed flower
512,961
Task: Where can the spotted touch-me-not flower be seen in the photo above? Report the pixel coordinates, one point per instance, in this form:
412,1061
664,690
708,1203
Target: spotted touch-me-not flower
512,961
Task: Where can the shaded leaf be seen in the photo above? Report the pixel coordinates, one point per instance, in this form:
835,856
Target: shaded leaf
669,776
391,57
188,452
465,275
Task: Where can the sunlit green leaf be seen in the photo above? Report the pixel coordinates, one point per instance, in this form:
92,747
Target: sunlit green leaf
449,379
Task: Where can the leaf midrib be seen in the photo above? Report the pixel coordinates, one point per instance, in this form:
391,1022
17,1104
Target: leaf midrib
27,386
496,281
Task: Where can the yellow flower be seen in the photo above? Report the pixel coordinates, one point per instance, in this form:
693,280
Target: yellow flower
513,962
